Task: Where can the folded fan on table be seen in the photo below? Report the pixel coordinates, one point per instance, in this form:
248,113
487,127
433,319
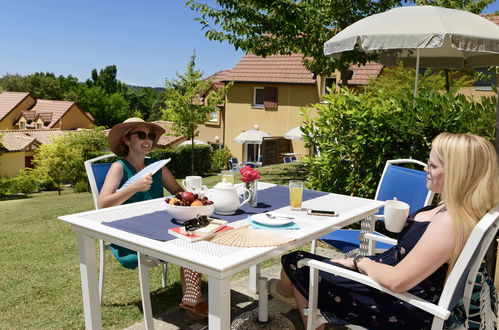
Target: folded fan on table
151,168
248,237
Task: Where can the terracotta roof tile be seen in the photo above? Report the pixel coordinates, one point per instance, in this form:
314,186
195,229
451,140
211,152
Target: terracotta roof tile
9,100
492,17
271,69
57,108
16,140
362,74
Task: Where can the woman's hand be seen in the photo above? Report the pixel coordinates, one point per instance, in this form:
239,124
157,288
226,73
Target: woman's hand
144,183
348,262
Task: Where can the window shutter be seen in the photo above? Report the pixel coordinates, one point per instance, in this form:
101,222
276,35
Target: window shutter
270,98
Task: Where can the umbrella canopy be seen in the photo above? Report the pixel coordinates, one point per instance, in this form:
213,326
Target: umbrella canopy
189,142
294,134
254,136
443,37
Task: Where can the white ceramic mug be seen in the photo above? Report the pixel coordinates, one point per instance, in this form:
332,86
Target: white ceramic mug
194,184
396,213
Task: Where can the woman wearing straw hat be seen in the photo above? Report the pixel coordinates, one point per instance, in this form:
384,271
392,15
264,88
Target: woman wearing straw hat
132,140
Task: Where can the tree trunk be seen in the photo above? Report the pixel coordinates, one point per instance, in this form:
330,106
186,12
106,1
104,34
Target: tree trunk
447,82
192,156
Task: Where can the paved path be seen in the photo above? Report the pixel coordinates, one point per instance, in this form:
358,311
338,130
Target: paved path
242,301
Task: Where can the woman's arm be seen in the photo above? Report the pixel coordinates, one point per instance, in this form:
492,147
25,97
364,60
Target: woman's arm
169,181
432,251
108,195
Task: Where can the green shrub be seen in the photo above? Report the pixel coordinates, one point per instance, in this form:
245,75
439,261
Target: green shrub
81,186
5,185
26,182
180,163
220,159
356,133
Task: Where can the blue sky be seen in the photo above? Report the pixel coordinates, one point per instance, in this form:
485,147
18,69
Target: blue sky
148,40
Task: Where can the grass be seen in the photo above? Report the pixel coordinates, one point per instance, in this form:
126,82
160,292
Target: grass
40,284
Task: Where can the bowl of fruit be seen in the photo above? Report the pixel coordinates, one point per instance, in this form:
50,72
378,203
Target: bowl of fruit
187,205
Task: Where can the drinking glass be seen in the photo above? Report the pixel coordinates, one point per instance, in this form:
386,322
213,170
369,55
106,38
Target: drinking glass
295,194
228,175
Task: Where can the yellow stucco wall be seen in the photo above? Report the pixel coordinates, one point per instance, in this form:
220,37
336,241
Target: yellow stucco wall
7,122
241,116
208,131
12,162
74,118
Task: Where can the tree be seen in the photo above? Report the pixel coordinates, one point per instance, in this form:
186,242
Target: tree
189,101
62,159
473,6
288,26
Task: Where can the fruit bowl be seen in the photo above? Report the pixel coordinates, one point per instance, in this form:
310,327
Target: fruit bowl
184,213
187,205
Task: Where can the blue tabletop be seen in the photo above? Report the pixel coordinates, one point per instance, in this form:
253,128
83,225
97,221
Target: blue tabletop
155,225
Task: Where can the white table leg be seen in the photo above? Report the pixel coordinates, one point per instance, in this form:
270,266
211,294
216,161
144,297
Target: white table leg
89,283
144,292
254,276
219,303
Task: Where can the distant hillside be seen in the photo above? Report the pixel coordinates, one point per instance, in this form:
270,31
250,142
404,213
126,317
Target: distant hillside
138,88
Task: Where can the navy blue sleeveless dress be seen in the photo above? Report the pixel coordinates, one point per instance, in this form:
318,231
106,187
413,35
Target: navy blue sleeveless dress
343,301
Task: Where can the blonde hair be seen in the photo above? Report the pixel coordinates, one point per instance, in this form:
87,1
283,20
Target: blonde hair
470,186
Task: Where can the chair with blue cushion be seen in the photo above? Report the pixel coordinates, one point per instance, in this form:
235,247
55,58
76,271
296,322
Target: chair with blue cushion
234,164
287,159
407,185
96,173
458,287
293,159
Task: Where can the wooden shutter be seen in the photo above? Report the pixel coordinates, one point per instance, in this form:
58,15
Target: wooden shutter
270,98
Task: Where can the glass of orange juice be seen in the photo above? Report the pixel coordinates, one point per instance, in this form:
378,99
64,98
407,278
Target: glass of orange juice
295,194
228,176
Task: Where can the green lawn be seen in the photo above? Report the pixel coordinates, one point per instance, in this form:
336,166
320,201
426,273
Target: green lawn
40,276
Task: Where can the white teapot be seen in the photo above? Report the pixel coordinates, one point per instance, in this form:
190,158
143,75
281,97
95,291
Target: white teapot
226,198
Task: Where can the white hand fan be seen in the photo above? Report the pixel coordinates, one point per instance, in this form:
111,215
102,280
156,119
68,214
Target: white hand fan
151,168
247,237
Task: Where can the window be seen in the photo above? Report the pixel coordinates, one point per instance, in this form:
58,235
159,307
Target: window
265,97
258,93
213,116
328,82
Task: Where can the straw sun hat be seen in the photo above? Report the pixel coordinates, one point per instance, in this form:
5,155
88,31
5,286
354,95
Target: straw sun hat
115,137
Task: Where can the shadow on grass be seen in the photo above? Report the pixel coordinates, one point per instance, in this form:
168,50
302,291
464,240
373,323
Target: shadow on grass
13,197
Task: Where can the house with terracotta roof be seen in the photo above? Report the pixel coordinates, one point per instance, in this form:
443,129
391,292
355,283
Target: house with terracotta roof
268,93
20,110
19,146
27,122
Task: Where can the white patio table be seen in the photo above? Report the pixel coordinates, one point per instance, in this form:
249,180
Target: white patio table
218,262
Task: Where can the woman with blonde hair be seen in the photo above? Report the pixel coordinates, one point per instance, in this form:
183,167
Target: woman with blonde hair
132,140
463,169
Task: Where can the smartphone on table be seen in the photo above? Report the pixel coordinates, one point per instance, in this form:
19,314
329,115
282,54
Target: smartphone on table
325,213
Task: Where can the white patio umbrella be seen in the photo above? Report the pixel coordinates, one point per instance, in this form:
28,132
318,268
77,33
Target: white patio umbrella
254,136
189,142
294,134
422,36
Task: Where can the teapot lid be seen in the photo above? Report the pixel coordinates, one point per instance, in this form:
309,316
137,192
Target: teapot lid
224,184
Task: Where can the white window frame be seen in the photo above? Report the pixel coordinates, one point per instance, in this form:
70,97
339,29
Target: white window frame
255,105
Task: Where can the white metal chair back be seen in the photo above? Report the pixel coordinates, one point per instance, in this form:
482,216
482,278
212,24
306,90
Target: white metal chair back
459,284
96,173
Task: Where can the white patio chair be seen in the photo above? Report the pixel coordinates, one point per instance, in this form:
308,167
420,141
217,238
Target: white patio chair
459,284
96,173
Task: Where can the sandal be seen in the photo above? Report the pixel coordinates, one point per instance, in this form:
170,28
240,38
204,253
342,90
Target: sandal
199,312
288,301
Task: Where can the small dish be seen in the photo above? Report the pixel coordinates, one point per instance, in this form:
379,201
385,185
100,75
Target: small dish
262,218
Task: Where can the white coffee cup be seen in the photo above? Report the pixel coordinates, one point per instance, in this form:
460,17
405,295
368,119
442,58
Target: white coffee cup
396,213
194,184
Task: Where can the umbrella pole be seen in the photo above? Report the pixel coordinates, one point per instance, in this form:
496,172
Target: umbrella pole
416,79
